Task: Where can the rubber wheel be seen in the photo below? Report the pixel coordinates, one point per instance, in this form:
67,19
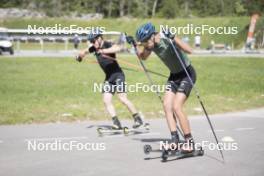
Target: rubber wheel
126,131
201,152
147,149
99,131
164,155
146,126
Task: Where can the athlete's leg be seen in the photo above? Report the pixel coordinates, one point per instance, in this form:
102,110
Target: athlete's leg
178,103
107,98
182,93
180,99
168,108
138,121
123,98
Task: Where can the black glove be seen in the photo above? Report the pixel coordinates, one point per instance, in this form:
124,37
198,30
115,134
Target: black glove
91,49
97,54
130,40
78,58
168,34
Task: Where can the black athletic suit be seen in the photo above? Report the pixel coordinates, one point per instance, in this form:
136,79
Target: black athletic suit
114,76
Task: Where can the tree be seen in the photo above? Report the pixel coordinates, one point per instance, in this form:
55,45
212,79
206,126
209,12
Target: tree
170,9
154,8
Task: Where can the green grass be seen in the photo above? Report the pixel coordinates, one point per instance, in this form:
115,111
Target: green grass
43,89
130,26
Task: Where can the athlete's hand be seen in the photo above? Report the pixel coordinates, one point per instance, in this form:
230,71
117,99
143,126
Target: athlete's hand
130,40
92,49
168,34
80,56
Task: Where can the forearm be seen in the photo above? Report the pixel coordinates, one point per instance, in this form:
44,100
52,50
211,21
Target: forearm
142,53
113,49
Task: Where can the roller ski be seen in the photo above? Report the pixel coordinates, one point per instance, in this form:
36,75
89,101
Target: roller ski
116,128
183,149
139,126
144,128
180,154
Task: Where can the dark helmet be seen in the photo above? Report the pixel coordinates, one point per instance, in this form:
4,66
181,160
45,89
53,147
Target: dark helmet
94,34
145,31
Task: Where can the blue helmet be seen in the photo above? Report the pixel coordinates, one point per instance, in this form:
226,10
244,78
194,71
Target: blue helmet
94,33
145,31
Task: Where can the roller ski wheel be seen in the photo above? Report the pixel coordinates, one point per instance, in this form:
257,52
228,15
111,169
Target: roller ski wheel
99,131
125,130
147,126
147,149
164,155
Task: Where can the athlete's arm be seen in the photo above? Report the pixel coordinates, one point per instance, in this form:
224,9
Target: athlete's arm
185,47
143,54
82,53
114,49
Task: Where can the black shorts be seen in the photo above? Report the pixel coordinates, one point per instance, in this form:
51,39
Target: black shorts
179,82
114,83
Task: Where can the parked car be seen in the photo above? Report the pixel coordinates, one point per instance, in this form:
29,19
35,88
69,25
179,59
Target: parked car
5,43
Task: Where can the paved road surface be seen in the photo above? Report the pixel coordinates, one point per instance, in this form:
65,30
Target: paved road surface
123,155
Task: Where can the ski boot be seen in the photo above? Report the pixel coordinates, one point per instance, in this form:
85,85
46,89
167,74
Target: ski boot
137,121
116,124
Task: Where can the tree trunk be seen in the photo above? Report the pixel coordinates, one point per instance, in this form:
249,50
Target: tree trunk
146,7
222,7
110,8
129,4
186,7
121,8
154,8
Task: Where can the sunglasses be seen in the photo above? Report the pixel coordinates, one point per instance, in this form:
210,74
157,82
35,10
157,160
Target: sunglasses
145,41
94,40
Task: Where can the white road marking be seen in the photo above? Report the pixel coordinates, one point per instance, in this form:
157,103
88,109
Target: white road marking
56,138
227,139
250,116
244,129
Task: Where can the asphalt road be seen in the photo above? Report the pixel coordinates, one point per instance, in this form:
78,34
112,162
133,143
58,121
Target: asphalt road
119,155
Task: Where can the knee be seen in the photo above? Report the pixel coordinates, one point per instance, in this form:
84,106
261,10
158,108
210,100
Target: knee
177,108
123,100
107,101
167,106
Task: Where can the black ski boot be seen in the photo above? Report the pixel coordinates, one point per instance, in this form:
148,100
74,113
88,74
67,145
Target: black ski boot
189,145
175,140
137,121
116,124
